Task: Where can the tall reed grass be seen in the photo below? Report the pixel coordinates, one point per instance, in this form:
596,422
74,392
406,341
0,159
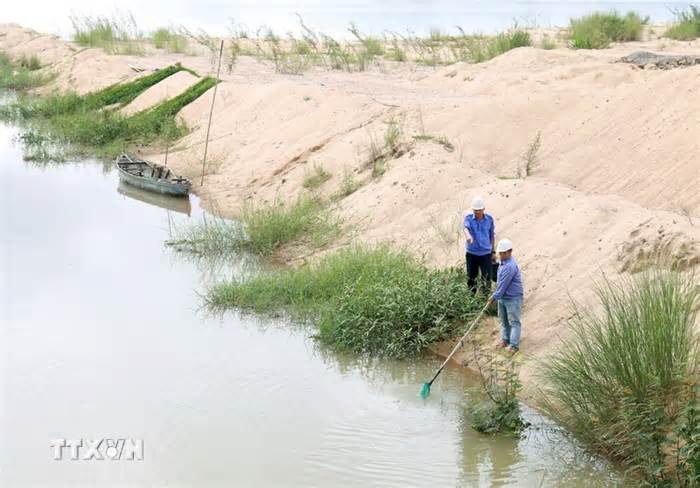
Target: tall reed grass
687,24
118,34
169,39
600,29
625,374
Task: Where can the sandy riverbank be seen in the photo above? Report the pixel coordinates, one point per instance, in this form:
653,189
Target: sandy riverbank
618,173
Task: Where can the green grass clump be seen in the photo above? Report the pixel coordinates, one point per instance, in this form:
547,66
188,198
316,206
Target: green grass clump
32,63
363,299
316,177
91,122
119,94
622,379
169,40
262,230
116,35
21,76
598,30
478,49
269,227
686,26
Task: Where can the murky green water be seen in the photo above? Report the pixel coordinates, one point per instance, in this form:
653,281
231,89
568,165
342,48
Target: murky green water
102,336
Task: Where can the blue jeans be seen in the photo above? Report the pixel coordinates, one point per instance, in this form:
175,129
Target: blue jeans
509,313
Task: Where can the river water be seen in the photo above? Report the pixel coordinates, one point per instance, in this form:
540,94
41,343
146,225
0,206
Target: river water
103,337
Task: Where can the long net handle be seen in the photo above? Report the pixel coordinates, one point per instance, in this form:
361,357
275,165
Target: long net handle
460,343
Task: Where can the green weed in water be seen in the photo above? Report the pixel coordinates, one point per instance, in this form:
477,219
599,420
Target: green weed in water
363,299
263,229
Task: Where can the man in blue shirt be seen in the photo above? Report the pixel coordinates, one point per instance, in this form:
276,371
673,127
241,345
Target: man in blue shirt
479,230
509,293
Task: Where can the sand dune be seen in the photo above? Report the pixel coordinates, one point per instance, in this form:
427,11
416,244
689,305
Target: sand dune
618,175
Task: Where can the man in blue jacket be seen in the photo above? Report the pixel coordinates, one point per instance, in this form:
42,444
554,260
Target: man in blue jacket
509,293
479,231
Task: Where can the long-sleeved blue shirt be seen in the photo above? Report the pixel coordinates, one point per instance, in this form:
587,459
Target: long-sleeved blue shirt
482,232
509,283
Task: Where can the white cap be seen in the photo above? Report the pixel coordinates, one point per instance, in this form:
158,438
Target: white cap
504,245
478,203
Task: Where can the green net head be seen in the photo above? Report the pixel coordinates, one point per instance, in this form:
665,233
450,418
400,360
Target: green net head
425,391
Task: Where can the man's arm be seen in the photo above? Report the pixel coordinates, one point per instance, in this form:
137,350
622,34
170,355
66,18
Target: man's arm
467,230
492,235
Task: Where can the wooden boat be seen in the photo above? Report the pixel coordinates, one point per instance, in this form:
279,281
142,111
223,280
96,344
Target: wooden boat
151,176
168,202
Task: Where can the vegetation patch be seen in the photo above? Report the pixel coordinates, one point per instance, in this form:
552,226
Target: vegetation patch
442,140
599,30
116,35
169,40
363,299
500,414
92,123
625,382
317,177
686,26
22,75
262,230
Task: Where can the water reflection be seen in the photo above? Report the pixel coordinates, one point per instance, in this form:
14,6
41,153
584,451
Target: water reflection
176,204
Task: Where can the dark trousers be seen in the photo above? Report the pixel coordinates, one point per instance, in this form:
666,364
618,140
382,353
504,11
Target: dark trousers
476,264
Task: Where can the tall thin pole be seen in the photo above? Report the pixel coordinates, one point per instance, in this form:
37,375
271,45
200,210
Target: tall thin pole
167,141
211,112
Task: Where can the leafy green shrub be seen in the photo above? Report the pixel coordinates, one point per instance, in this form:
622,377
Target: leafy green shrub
621,378
365,300
598,30
686,26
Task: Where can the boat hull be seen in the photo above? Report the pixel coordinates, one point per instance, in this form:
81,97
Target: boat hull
129,173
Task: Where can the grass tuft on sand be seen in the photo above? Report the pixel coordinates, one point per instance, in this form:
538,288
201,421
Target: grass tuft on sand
600,29
22,75
686,26
118,34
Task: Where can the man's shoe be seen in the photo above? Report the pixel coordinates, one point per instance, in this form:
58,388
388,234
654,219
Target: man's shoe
504,344
513,349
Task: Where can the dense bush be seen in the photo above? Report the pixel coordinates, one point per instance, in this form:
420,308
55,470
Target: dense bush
366,300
